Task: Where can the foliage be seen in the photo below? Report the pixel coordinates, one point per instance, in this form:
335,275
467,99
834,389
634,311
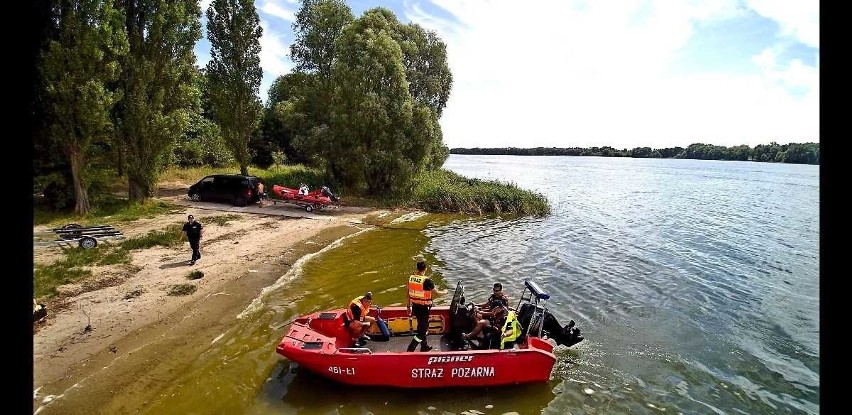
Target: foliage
365,99
426,67
201,143
233,28
79,68
171,236
158,85
290,115
802,153
445,191
318,25
293,175
297,112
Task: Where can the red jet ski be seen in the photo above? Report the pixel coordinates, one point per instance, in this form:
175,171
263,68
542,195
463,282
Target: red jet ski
318,199
319,342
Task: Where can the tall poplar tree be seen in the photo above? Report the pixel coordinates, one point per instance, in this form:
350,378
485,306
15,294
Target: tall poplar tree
234,73
157,83
79,69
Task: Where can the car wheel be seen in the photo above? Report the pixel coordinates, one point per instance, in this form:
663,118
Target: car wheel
87,242
309,208
195,197
240,201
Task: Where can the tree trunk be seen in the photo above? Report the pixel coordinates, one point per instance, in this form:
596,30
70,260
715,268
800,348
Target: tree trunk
136,191
244,169
81,197
120,160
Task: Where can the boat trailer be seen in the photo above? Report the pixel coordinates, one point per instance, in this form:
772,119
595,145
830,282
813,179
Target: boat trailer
85,237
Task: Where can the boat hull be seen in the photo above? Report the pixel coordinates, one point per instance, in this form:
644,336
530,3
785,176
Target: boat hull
319,344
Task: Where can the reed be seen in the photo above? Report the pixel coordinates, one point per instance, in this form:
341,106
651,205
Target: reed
445,191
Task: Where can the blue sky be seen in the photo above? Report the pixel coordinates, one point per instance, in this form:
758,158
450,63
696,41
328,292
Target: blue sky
618,73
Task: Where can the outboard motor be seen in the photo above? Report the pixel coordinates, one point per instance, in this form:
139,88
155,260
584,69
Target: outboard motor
537,321
461,320
327,192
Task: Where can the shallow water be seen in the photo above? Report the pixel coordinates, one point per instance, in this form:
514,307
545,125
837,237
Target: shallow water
696,284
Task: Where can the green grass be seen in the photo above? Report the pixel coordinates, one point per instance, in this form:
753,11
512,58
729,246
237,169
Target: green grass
171,236
445,191
74,267
195,275
221,220
111,211
182,289
47,278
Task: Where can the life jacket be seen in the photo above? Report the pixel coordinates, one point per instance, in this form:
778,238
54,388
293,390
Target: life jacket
416,293
511,324
357,301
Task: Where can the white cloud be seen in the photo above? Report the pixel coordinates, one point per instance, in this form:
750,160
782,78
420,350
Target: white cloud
274,44
272,8
799,19
274,57
581,74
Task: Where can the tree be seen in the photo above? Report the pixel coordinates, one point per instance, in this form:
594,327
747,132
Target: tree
79,69
425,58
201,143
375,135
287,121
233,28
318,26
157,83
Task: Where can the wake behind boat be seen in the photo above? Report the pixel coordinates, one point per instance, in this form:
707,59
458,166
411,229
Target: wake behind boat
320,342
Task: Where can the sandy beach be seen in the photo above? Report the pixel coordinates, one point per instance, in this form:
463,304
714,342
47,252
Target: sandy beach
100,331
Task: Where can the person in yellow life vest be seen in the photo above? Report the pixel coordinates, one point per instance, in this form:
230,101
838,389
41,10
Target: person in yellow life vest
358,320
420,288
511,331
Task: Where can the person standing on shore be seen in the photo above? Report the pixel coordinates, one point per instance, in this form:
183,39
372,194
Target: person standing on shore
420,288
193,232
261,194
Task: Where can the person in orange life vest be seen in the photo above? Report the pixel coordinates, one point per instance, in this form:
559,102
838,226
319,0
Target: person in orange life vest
420,289
492,313
358,319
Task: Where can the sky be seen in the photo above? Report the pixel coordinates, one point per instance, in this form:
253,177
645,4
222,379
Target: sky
619,73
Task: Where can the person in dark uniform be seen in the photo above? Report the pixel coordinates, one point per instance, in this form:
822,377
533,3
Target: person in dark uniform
492,313
193,232
420,288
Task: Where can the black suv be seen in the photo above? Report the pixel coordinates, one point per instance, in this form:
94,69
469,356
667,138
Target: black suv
232,188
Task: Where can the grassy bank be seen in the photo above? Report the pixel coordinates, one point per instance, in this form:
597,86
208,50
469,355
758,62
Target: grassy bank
76,263
445,191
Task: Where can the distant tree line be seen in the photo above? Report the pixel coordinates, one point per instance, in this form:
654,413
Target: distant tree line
798,153
118,97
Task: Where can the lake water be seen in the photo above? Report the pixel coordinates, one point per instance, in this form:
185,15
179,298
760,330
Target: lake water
695,283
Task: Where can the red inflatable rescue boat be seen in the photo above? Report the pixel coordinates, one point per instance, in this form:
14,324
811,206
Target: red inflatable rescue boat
319,342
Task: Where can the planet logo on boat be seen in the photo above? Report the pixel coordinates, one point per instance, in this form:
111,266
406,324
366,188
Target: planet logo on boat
449,359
